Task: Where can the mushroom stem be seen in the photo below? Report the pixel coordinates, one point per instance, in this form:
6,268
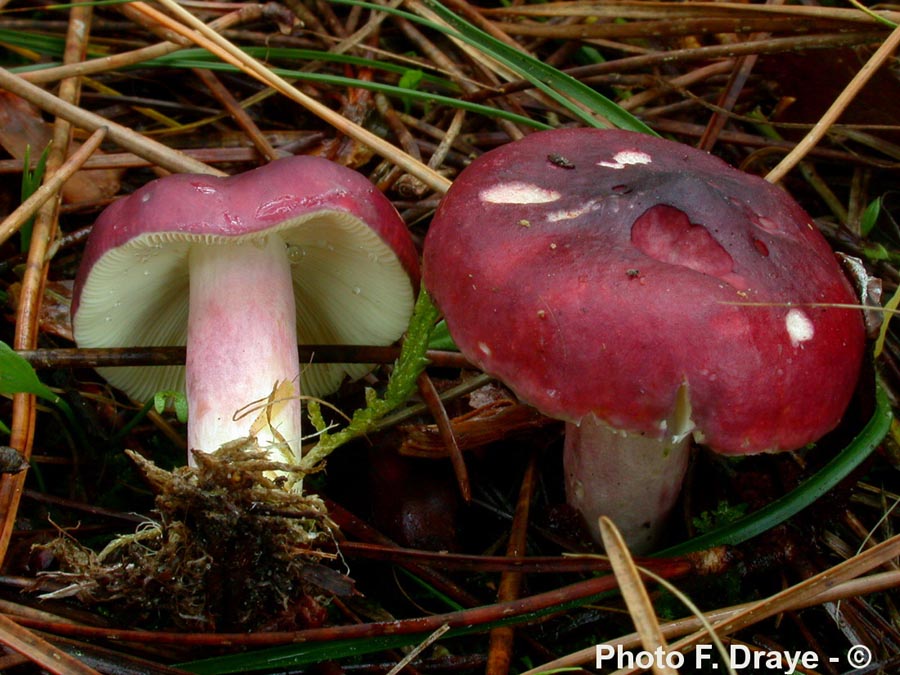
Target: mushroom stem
241,346
633,479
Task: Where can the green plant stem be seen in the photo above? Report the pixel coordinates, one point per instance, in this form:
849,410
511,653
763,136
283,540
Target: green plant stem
409,366
133,422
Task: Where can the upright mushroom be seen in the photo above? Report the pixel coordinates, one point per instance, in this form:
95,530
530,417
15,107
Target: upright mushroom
644,292
237,269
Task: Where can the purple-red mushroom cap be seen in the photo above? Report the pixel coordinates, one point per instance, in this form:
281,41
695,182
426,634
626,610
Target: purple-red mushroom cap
347,263
645,293
649,284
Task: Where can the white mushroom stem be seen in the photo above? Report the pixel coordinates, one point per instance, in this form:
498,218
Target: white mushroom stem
631,478
241,344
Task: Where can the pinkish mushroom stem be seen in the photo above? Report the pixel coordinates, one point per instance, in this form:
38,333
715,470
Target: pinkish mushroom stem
632,478
242,344
301,250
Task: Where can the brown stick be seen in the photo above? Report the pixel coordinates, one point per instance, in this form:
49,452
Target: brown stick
152,151
35,276
51,186
445,429
502,638
110,357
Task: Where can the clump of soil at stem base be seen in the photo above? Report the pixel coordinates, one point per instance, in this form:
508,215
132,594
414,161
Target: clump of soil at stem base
232,550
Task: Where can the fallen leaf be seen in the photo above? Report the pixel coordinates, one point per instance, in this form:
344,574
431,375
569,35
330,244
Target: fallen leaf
21,127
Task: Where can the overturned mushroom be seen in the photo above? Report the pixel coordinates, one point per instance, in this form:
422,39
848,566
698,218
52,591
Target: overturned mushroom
237,269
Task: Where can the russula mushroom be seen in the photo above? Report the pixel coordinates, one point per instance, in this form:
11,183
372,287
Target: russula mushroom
645,292
237,269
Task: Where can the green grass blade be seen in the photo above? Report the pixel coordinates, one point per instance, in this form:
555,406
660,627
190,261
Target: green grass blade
583,102
292,656
387,89
205,60
31,181
563,88
566,90
805,494
43,44
273,55
295,656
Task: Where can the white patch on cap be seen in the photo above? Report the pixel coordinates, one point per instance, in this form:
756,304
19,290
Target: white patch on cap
799,327
626,157
485,349
569,214
518,193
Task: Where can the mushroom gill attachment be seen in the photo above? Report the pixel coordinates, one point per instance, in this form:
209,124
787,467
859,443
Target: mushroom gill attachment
239,269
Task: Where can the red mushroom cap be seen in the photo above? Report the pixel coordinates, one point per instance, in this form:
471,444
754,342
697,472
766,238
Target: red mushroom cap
609,272
355,269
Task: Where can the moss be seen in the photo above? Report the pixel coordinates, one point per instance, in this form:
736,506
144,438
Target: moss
230,550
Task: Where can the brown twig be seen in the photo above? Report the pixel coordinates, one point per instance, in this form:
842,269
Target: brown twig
111,357
50,186
845,571
207,38
729,96
467,618
836,108
153,151
649,12
39,650
501,641
875,583
687,55
238,113
635,594
37,265
430,396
